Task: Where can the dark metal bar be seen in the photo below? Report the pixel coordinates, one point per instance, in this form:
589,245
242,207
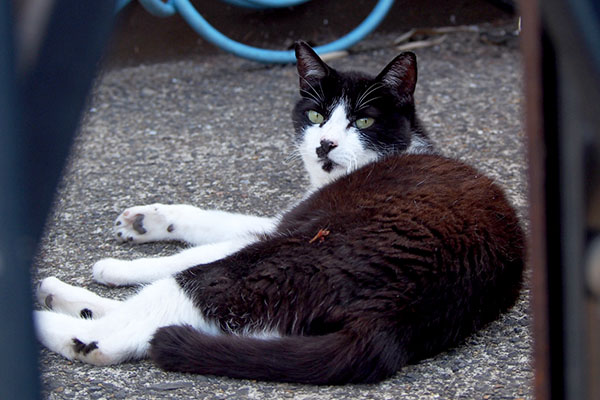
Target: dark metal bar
18,363
39,114
531,47
562,54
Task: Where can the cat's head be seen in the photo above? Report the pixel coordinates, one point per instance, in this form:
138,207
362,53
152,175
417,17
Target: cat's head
345,120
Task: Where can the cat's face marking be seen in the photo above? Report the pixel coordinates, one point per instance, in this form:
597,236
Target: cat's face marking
347,120
333,148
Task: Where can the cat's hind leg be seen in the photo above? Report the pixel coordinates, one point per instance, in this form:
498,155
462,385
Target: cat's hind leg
71,300
114,272
91,341
181,222
123,334
58,331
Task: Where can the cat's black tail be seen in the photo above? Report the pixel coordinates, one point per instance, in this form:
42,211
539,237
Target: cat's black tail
334,358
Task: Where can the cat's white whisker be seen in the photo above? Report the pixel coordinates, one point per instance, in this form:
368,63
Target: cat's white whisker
318,96
364,94
311,96
370,89
366,103
353,163
294,155
321,90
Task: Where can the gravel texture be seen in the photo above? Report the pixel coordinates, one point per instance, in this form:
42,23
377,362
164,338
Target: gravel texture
215,131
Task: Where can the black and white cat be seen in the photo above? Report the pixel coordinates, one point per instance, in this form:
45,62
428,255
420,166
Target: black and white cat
394,254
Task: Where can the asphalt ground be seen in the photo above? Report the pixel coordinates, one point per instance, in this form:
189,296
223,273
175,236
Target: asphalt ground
215,131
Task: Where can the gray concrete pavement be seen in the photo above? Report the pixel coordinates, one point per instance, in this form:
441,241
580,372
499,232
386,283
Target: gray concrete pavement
215,131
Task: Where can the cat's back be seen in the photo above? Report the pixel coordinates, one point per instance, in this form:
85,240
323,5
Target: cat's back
456,205
414,177
409,201
420,187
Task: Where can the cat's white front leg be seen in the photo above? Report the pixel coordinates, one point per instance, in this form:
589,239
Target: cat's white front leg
123,334
113,272
158,222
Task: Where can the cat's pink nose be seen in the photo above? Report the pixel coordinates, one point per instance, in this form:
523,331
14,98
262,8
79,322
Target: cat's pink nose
325,147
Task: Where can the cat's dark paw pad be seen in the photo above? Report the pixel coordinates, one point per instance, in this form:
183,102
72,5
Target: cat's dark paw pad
89,351
48,301
129,226
83,348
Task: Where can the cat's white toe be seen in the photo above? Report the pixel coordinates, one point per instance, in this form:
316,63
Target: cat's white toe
109,271
52,331
47,290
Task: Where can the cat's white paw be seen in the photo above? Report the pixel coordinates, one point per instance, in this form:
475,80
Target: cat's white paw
71,300
63,298
141,224
71,338
46,292
52,331
111,272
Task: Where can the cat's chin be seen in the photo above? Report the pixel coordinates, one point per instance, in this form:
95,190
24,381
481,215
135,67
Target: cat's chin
328,165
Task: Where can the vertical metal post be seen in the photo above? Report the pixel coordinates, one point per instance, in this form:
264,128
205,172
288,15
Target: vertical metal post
532,53
18,363
562,53
39,113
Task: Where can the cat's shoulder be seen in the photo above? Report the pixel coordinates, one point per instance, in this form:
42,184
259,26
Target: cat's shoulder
422,169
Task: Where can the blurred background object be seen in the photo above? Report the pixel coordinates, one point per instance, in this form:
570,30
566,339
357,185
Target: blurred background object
561,46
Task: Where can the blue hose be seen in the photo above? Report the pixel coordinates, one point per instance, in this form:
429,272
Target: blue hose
261,4
159,8
204,29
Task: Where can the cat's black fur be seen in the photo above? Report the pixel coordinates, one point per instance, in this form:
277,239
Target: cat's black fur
390,264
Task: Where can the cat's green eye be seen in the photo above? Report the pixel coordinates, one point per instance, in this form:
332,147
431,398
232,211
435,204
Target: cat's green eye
315,117
364,123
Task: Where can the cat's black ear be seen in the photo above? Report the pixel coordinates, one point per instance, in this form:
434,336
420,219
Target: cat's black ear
310,66
401,74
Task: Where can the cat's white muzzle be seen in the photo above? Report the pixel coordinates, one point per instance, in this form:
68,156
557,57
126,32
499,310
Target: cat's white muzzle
345,152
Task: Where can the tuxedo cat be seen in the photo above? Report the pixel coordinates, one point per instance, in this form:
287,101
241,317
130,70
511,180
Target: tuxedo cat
394,254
